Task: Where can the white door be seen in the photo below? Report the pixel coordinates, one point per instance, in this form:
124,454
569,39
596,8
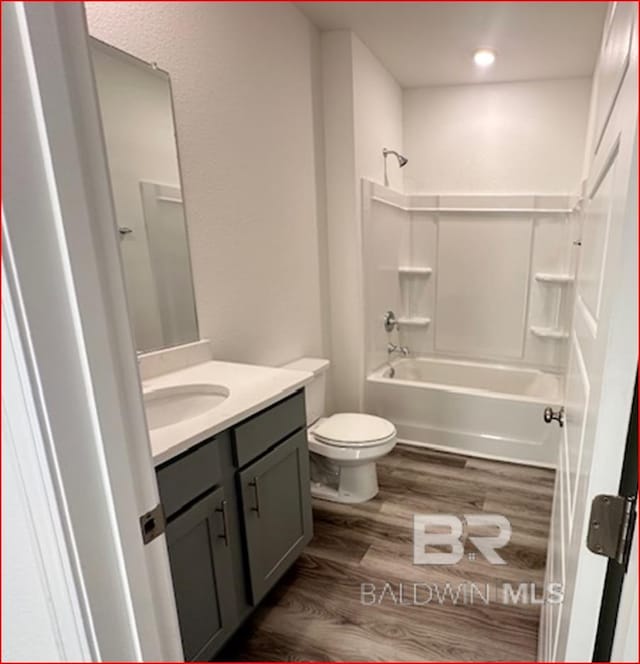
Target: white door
603,345
64,277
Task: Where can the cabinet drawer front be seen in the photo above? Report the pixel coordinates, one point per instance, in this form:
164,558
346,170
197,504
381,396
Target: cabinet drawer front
276,504
202,577
184,479
262,431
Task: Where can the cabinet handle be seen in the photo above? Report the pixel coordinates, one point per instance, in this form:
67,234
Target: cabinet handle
256,492
225,522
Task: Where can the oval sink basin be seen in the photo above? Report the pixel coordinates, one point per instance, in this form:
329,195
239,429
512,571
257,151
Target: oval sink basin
169,405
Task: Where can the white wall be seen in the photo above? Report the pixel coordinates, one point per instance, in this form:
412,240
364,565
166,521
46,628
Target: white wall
135,105
520,137
243,78
362,114
345,275
377,117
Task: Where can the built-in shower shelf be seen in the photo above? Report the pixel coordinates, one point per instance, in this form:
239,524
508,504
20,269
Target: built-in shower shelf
413,321
423,271
548,278
548,332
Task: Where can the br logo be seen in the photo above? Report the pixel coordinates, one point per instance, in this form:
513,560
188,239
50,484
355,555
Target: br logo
446,530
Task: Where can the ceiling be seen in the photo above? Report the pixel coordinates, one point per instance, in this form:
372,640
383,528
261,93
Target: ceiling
432,43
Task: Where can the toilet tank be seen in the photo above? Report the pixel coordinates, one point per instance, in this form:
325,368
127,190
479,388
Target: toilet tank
315,391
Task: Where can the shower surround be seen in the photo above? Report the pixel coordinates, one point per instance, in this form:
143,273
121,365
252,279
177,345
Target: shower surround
482,285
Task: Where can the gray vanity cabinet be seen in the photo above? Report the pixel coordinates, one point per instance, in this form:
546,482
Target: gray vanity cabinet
238,510
277,511
202,573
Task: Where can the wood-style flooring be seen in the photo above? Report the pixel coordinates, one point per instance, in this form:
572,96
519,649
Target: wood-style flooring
317,612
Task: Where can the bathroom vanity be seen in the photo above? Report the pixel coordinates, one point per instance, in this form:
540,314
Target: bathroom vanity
238,514
229,445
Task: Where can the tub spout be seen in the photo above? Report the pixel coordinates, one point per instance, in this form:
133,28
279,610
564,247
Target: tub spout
401,350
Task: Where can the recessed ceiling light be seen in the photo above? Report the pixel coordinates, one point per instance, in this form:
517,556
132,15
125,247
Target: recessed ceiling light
484,57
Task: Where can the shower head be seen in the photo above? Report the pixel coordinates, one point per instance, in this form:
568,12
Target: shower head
402,160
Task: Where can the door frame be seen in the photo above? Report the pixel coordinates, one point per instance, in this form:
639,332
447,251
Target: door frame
64,276
615,580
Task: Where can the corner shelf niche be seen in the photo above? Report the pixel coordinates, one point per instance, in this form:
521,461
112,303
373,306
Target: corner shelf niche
549,278
548,333
413,321
418,271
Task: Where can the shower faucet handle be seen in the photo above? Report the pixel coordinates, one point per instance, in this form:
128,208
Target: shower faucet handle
550,415
390,321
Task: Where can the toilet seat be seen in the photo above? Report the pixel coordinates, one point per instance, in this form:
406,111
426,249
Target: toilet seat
354,430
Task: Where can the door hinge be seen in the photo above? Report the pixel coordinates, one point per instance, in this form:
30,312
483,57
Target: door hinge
152,523
611,526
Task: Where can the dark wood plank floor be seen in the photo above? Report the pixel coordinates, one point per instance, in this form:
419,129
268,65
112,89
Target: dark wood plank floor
316,612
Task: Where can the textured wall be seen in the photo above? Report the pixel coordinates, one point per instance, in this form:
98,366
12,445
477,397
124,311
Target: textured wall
378,117
243,79
362,114
522,137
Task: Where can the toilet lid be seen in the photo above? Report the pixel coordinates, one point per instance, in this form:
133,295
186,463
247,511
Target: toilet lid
353,429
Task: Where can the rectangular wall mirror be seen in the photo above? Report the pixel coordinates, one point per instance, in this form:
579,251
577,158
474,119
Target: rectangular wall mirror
139,131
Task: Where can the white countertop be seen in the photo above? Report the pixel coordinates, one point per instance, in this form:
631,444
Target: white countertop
251,388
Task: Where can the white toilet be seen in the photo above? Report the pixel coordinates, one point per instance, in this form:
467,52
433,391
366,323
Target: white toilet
344,447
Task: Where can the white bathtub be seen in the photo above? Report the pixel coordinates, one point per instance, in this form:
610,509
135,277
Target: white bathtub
478,409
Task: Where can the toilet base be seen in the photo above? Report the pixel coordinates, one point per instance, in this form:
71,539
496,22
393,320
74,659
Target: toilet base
357,484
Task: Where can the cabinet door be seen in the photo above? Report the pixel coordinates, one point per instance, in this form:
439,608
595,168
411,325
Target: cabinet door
276,503
202,576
